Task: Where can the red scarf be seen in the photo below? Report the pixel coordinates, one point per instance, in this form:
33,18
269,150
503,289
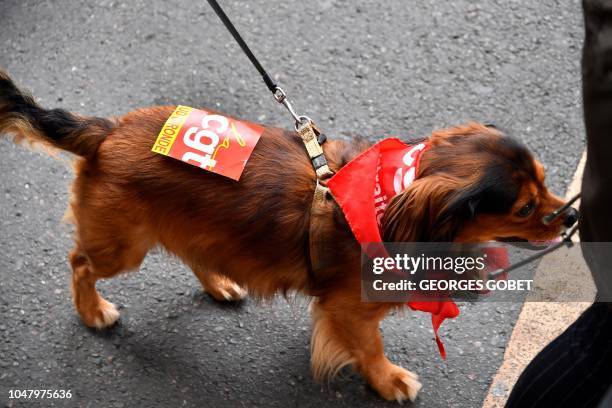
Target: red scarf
364,187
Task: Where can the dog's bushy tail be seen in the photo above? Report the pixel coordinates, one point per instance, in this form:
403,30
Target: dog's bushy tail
22,117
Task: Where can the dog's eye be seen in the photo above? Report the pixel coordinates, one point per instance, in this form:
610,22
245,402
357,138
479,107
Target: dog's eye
526,209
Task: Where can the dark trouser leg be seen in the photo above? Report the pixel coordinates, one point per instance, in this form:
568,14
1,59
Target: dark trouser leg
574,370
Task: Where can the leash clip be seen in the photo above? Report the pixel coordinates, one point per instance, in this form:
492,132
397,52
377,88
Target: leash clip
281,98
310,135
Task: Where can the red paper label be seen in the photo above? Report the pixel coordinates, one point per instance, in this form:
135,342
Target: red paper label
207,140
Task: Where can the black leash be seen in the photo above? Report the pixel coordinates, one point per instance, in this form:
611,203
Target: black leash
310,134
276,90
228,24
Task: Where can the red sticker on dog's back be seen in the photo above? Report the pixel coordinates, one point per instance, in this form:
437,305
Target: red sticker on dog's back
210,141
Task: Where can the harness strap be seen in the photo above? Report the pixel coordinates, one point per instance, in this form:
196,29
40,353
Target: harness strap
309,134
322,202
319,230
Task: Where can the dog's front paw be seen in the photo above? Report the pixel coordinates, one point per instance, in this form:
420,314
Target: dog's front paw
395,383
99,314
224,290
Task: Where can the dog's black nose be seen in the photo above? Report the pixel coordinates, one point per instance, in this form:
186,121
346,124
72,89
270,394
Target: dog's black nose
571,216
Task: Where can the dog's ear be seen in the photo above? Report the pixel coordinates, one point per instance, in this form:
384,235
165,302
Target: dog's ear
432,209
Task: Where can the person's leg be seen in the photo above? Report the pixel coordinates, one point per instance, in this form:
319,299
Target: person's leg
574,370
606,402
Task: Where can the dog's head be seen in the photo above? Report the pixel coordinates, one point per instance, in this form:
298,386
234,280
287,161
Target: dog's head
474,185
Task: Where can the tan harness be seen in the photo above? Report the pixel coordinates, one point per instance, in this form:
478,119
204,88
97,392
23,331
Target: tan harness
322,201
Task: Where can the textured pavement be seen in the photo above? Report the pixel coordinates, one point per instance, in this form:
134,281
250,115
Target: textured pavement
358,68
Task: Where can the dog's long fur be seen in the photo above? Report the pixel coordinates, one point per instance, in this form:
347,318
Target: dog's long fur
252,235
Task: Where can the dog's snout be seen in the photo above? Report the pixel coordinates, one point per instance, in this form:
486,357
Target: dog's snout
571,216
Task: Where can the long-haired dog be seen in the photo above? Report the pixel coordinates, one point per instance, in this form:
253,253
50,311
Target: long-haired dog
474,184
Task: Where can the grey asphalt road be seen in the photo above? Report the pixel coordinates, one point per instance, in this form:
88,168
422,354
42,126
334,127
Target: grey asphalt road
358,68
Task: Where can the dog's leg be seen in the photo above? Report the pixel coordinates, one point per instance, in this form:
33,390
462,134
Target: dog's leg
220,287
90,266
346,332
102,250
95,311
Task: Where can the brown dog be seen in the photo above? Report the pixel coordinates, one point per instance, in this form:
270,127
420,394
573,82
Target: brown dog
473,185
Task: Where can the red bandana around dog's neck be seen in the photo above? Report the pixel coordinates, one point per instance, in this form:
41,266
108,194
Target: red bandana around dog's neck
363,189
